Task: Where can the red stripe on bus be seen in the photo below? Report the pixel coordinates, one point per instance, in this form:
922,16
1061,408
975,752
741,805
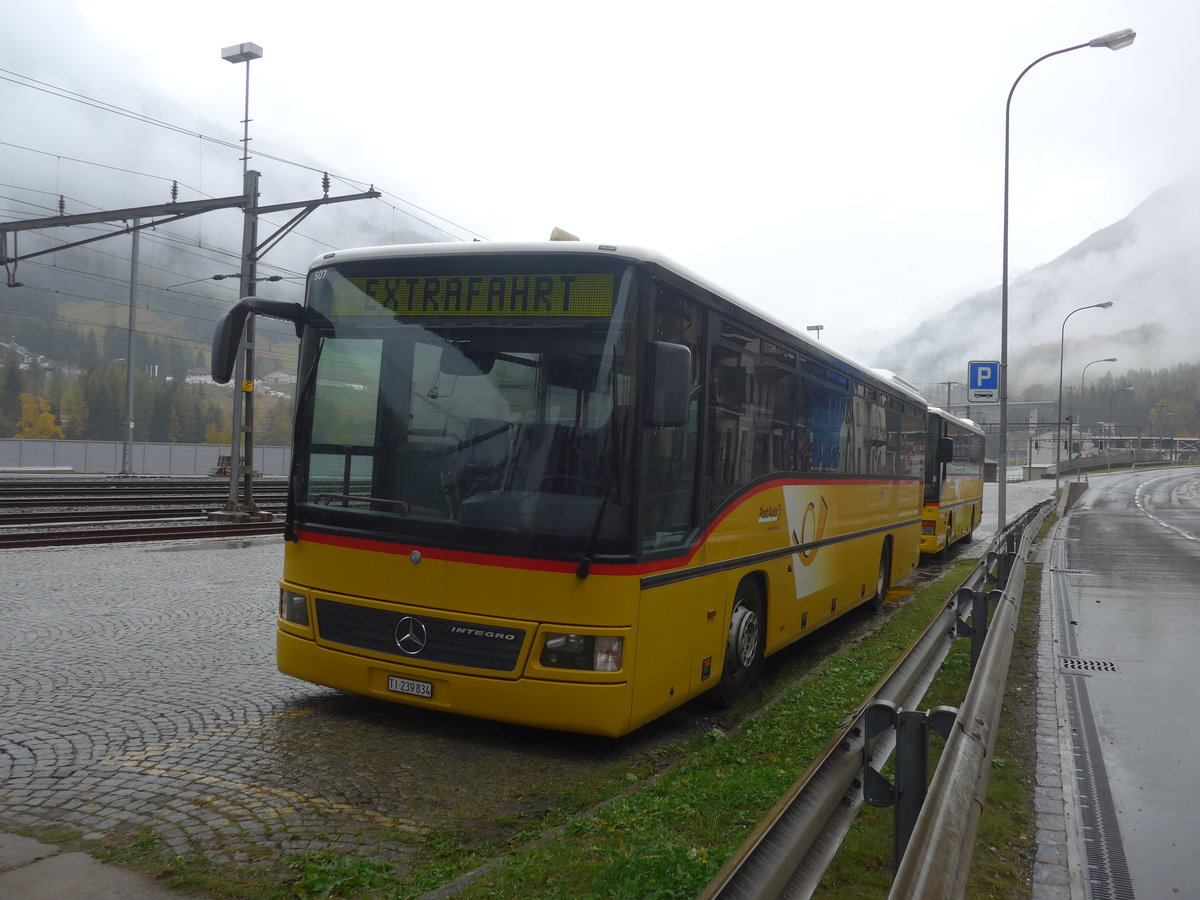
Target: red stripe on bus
375,545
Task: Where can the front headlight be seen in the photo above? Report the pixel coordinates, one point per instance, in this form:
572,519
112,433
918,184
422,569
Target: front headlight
588,652
293,607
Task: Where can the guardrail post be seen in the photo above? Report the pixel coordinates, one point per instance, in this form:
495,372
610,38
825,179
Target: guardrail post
912,777
1003,557
1012,551
912,765
977,629
877,790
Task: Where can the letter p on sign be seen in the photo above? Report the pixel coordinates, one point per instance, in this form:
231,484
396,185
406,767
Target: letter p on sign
983,381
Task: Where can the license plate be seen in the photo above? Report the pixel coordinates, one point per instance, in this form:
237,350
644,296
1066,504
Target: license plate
410,687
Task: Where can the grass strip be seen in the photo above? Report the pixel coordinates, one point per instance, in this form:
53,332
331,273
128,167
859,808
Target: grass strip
669,838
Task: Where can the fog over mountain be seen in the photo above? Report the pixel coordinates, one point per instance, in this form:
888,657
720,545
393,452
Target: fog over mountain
1147,264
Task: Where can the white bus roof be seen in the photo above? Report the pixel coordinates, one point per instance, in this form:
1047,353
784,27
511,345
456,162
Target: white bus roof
958,420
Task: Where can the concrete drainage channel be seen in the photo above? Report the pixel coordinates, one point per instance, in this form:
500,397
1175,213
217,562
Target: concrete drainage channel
1106,869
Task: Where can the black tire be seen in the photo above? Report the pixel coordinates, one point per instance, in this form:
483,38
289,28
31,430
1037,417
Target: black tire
743,646
883,579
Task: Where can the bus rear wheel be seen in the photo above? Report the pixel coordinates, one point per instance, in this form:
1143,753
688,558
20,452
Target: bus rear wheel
883,580
743,646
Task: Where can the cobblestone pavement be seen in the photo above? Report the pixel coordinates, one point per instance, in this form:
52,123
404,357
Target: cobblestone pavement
138,688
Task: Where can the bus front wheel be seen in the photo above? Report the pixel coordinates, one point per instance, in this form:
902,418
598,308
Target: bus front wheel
743,646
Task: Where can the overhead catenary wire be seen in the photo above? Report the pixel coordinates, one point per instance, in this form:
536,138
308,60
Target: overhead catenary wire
214,255
160,229
182,243
65,94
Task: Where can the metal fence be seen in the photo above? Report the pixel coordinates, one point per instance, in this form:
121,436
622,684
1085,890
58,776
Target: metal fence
104,457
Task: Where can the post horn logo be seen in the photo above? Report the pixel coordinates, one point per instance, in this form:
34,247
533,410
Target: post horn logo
812,528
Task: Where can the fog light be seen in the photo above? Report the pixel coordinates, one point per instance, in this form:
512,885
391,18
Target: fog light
293,607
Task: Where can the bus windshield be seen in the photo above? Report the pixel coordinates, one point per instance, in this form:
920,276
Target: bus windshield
482,406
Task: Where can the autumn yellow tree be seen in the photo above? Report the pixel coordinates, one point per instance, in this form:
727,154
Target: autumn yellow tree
37,421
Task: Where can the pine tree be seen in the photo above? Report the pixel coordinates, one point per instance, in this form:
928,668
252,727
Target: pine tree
89,357
74,413
10,392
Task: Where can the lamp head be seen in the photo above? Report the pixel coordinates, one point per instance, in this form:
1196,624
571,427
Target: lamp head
1107,304
241,53
1110,359
1115,41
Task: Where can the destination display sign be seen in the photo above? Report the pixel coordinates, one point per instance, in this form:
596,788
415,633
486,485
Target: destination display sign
475,296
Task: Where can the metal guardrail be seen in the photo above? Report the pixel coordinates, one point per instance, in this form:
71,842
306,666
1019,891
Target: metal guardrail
940,848
788,852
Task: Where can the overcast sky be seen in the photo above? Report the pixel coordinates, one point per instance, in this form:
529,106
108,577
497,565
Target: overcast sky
838,164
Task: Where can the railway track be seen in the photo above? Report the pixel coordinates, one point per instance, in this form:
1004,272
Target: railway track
76,537
73,492
73,510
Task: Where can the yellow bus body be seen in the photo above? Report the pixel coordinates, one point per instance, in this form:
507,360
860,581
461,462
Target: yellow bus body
813,548
956,517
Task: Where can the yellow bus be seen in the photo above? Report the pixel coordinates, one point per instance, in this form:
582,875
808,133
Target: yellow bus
953,481
572,486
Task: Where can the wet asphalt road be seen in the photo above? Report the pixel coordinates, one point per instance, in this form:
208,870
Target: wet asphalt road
1126,566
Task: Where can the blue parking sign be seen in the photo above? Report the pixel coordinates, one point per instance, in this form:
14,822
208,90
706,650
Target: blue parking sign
983,381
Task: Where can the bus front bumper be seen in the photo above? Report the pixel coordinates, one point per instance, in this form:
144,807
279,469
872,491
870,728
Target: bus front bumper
601,709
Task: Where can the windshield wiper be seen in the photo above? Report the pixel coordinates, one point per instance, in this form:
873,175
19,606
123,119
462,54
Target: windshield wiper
585,564
614,484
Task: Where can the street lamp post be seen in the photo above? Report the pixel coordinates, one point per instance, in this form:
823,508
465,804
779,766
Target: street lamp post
1114,41
1107,304
244,53
127,443
1083,397
242,438
1083,383
1112,428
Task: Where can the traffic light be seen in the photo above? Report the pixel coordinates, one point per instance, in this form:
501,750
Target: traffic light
1066,445
1037,445
1100,445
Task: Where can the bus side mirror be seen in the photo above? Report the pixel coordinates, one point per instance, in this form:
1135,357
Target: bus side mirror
229,330
945,449
670,384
